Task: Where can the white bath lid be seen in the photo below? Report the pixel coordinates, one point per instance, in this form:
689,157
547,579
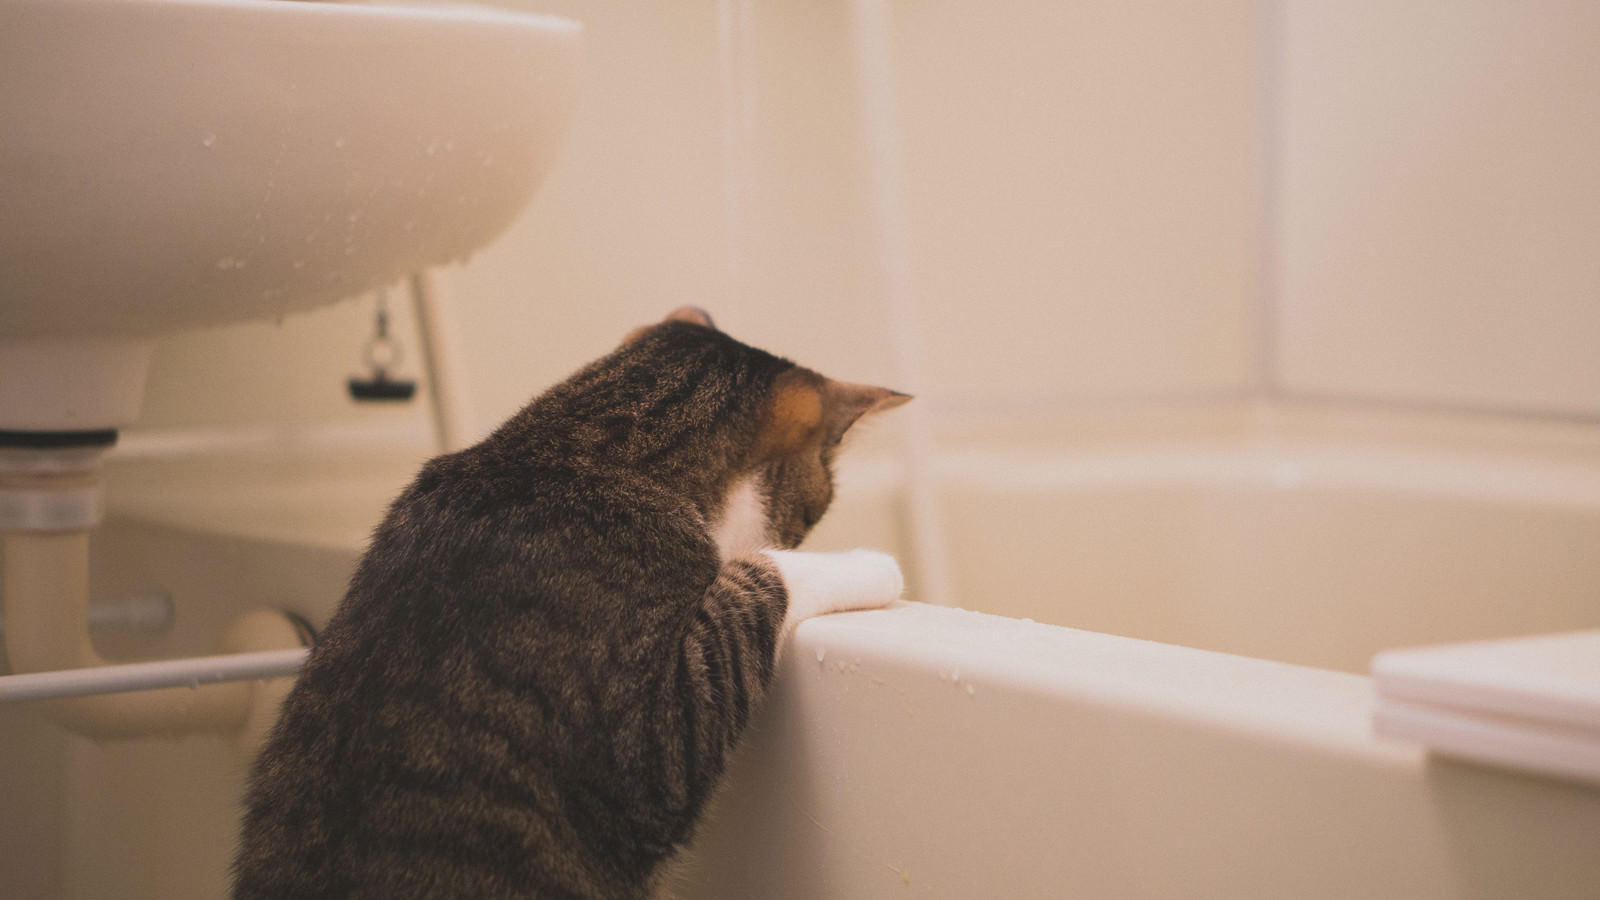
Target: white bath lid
1529,703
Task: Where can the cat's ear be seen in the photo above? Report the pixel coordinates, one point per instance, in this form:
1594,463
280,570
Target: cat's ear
694,315
806,407
845,404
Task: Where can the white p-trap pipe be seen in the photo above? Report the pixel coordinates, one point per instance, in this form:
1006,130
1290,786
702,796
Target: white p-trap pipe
46,591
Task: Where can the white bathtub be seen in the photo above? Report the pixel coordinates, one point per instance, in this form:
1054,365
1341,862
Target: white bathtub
927,752
939,753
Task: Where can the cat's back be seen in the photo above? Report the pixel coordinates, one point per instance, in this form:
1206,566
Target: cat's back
495,705
526,529
448,710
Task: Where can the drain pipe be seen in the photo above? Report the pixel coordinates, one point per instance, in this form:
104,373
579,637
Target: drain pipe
50,498
442,358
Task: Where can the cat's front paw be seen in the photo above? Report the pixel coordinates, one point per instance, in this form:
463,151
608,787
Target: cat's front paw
820,583
878,576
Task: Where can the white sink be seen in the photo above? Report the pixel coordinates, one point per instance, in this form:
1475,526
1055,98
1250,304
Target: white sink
170,164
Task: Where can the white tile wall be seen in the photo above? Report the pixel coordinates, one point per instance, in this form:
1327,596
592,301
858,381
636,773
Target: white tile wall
635,218
1081,193
1438,190
1078,179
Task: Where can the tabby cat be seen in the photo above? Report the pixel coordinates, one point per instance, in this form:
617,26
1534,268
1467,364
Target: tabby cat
558,635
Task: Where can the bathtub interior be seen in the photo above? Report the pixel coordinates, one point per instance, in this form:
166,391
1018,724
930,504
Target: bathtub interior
1319,546
1320,577
1305,535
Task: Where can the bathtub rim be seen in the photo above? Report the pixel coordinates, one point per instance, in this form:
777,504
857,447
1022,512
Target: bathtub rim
1304,705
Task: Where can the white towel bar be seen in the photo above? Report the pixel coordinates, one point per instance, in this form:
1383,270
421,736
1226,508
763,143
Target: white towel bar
149,675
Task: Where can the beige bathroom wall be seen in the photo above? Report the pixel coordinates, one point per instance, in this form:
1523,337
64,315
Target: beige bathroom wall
33,814
288,376
1079,183
636,219
1077,178
1438,197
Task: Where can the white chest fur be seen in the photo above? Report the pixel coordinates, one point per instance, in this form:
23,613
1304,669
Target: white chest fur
742,528
817,583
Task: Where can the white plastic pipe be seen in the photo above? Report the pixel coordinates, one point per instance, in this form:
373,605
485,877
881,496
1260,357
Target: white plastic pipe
441,354
141,613
46,595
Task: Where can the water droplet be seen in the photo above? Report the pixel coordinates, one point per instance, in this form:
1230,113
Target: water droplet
208,140
822,654
970,690
230,262
956,676
338,143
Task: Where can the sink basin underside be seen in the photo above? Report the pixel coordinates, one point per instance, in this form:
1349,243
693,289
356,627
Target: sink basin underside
169,164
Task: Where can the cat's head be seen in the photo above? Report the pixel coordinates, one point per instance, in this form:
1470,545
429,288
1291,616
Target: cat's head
778,426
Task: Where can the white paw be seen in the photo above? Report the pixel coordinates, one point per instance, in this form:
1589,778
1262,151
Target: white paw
820,583
880,578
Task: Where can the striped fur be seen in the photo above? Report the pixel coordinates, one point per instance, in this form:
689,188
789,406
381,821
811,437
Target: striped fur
542,662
